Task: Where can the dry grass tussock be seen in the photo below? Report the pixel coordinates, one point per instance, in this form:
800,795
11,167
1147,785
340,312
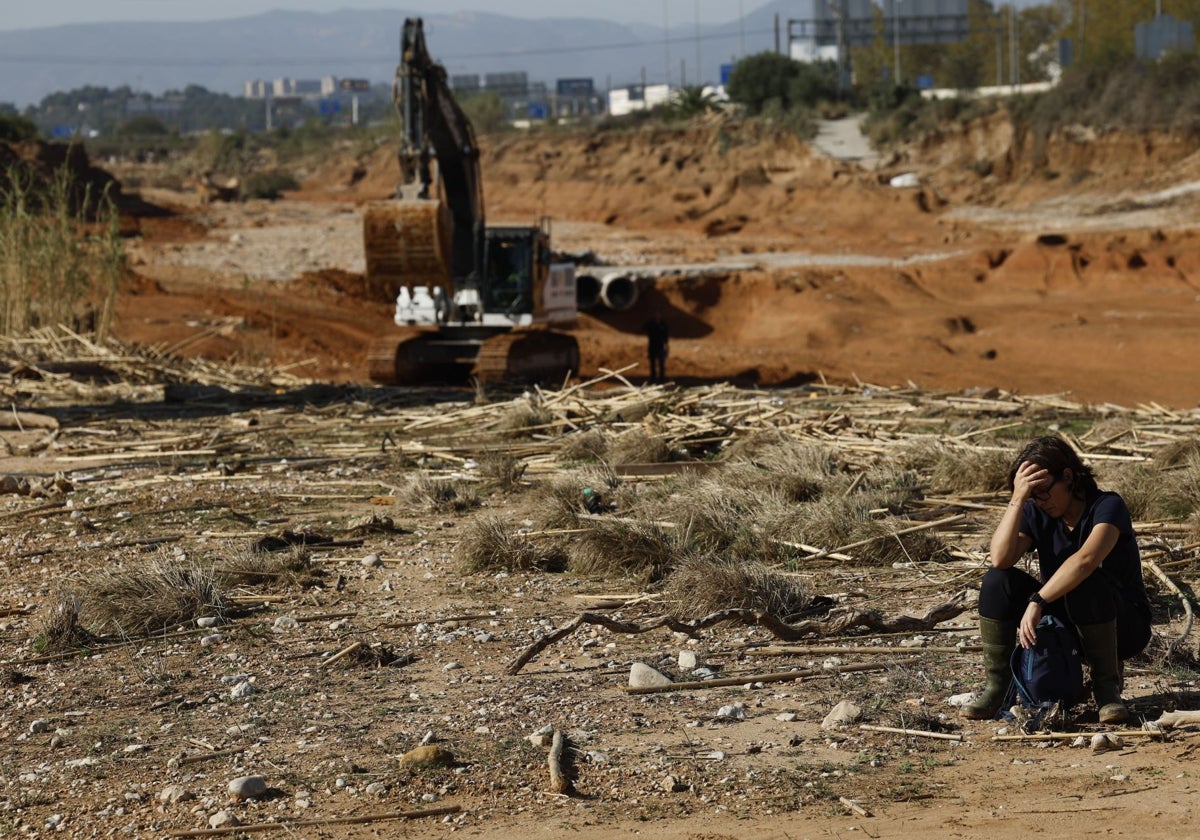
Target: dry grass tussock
60,627
523,418
289,569
638,446
489,544
640,551
588,445
955,469
837,520
560,502
1153,492
501,471
445,495
160,594
703,585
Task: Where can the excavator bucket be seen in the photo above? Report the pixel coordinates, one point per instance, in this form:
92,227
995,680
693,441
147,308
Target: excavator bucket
407,243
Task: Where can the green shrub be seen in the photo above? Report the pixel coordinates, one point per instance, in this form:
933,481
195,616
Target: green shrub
269,185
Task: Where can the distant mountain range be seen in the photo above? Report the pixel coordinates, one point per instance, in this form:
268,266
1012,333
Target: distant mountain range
221,55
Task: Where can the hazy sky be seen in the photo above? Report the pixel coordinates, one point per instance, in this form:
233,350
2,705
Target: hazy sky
27,15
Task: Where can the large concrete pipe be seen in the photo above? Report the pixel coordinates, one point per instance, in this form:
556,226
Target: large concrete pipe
618,291
587,289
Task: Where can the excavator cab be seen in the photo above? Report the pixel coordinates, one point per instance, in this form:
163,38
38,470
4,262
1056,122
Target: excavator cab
510,271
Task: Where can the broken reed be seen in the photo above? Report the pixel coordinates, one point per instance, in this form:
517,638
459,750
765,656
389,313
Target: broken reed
56,267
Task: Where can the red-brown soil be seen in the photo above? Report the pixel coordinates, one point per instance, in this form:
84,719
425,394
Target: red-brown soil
1068,268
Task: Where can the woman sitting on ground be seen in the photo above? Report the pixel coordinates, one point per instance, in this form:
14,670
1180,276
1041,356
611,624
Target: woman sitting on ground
1091,575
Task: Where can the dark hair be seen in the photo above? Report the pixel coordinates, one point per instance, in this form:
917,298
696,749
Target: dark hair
1056,455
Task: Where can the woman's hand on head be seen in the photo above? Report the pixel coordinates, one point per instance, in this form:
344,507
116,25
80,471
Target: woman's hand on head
1028,479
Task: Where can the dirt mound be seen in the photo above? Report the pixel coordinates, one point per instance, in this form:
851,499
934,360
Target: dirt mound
34,165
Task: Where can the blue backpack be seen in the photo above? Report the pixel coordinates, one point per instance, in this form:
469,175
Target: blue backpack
1051,671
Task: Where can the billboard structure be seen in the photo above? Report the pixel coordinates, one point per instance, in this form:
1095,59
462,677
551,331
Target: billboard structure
827,29
1162,35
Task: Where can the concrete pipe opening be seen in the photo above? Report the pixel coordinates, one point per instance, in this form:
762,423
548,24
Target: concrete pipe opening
619,292
587,290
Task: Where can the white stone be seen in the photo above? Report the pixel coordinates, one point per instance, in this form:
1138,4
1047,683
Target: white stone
372,560
174,794
223,819
284,623
208,621
732,712
40,725
241,691
642,675
688,660
843,714
247,787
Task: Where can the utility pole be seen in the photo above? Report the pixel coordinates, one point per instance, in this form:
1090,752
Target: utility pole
1013,49
777,34
699,74
667,43
896,38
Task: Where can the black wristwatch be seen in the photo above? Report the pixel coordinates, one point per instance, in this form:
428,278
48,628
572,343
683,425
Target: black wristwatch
1036,598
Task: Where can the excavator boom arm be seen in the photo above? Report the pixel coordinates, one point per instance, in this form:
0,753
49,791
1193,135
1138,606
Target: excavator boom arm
434,126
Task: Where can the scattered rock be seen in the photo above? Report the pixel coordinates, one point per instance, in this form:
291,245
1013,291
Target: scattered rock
671,784
223,819
39,726
248,787
642,675
372,561
242,690
284,623
736,711
428,757
174,794
688,660
843,714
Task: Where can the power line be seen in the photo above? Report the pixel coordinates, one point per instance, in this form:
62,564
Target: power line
118,61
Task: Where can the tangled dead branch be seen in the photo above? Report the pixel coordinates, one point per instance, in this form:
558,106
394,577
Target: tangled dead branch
849,620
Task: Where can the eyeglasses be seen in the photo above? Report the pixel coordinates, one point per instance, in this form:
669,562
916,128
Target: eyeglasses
1044,494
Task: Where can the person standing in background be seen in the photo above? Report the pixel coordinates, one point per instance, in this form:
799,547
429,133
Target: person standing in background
657,338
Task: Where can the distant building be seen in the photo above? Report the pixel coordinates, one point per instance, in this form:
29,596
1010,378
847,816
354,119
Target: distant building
509,86
467,84
624,101
295,87
255,89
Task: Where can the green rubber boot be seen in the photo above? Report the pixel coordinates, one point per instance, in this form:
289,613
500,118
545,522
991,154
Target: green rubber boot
999,641
1100,650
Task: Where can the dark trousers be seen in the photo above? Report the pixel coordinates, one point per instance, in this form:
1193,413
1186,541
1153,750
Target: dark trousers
1004,596
658,365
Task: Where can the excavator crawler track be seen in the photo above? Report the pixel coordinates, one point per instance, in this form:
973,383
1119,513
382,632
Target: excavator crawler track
533,355
423,357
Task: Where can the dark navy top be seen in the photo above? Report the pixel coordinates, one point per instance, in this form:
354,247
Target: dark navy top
1054,543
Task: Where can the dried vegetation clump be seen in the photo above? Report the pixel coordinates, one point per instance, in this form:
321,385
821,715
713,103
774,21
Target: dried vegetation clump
157,595
291,568
490,544
638,446
703,585
636,550
443,495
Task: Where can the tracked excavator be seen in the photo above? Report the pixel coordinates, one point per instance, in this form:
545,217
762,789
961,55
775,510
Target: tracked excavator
471,300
